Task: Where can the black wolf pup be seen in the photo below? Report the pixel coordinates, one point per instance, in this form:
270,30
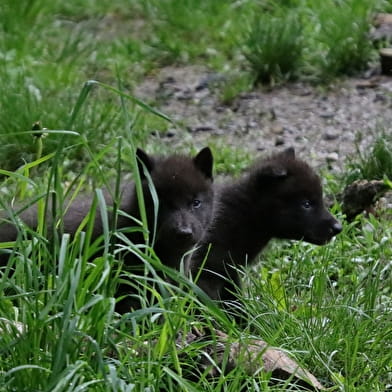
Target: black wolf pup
185,194
280,197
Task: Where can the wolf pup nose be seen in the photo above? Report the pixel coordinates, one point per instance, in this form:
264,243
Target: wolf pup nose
184,232
336,228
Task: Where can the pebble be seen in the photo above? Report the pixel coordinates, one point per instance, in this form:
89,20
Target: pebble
170,133
277,129
330,136
332,157
327,115
210,80
203,128
184,95
251,124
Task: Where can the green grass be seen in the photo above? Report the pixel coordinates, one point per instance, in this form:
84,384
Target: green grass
375,164
312,40
48,50
274,45
329,307
331,303
341,46
70,47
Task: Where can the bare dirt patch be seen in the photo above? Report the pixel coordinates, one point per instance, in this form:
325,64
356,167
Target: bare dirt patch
325,125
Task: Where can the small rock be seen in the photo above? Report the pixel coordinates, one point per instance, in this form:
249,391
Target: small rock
210,80
273,114
277,129
167,80
302,91
184,95
382,18
219,109
171,133
332,157
327,115
203,128
279,141
367,84
361,195
330,136
379,97
249,95
383,28
251,124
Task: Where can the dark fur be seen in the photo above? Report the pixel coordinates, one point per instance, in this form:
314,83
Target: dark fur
184,189
281,197
185,194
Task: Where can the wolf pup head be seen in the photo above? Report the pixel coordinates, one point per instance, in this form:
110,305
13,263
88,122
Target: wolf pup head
296,198
184,189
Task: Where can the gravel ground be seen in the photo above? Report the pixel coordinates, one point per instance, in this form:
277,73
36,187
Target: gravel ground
324,124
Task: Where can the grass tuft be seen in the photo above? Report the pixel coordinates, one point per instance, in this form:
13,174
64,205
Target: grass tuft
274,44
341,45
375,164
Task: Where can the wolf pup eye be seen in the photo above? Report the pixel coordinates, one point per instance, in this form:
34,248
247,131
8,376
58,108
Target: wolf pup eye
196,203
306,204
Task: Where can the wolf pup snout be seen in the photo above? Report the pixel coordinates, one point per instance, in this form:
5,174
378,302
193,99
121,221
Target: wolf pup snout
319,225
336,228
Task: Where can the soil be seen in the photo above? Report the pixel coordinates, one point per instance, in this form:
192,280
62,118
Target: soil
326,125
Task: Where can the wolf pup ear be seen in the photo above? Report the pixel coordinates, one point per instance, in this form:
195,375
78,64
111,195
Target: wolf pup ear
204,162
277,166
271,171
143,159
